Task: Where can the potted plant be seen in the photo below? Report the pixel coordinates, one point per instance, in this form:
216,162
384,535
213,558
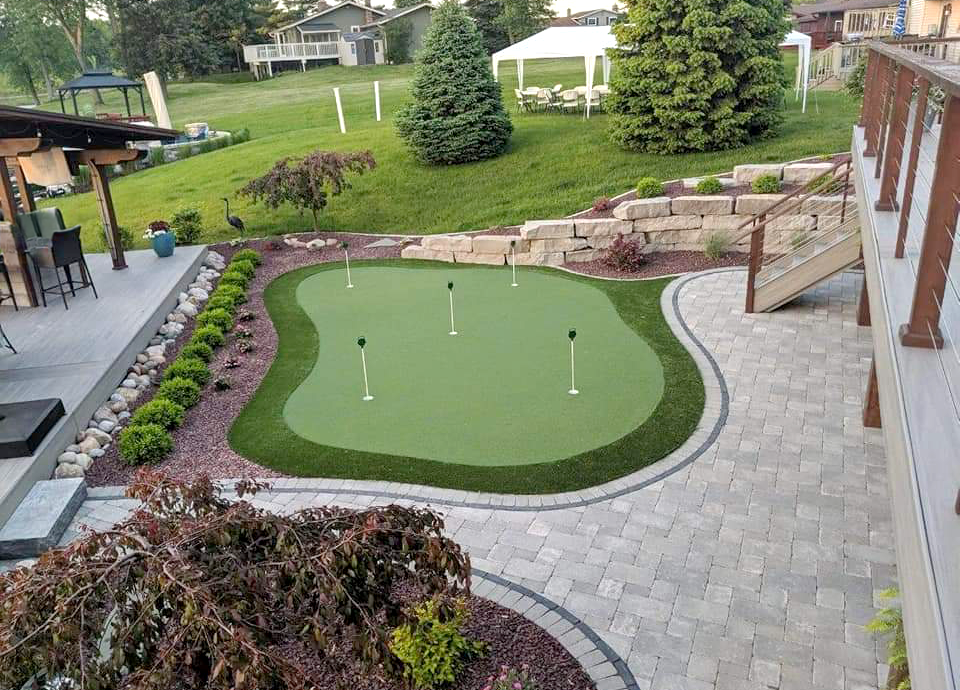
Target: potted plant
162,237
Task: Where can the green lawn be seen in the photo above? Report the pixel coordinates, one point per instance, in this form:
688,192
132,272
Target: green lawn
555,164
481,410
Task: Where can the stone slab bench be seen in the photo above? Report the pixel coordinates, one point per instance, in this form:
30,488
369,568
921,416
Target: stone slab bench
41,518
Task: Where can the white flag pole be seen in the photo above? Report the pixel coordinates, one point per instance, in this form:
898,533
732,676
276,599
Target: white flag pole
453,330
376,97
361,341
513,261
573,381
336,96
346,257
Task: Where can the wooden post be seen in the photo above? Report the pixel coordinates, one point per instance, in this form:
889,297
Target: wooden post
863,306
923,328
97,161
27,202
871,402
14,256
916,138
896,133
871,102
756,259
885,112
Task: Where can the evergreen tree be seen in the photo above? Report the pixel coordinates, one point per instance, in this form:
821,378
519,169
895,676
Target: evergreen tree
485,13
457,112
697,75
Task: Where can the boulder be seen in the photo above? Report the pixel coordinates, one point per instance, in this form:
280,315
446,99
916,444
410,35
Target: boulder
557,244
199,293
129,394
606,241
752,204
792,223
187,308
745,174
582,255
728,222
546,229
107,426
701,205
478,258
68,470
549,259
84,461
447,243
817,205
643,208
99,435
415,251
316,244
591,227
104,413
688,238
331,242
801,173
499,244
827,223
667,223
88,444
68,456
155,351
96,453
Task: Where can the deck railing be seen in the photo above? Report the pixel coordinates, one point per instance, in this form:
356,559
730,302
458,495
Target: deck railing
290,51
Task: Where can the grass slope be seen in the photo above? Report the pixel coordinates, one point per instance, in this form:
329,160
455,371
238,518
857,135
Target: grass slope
261,434
555,164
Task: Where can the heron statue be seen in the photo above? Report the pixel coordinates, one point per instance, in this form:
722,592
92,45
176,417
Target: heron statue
233,220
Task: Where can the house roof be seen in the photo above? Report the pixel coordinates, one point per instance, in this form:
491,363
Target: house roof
327,11
325,26
73,131
396,13
98,79
563,21
352,36
586,13
841,6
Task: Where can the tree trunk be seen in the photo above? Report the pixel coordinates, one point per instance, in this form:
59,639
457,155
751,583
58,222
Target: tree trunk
28,76
47,80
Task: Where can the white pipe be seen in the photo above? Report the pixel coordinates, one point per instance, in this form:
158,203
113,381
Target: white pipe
513,263
346,256
336,96
366,384
453,330
573,382
376,97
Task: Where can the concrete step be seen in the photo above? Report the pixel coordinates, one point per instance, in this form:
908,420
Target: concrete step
41,518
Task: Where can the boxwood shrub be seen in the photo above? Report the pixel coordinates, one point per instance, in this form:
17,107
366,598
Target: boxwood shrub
184,392
143,444
216,317
224,302
709,185
188,368
231,291
649,187
251,255
209,335
197,350
245,267
766,184
235,278
162,411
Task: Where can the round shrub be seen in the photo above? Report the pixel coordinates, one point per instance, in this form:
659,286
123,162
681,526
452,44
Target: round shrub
245,267
144,444
766,184
234,278
649,187
224,302
197,350
251,255
188,368
230,291
208,335
216,317
182,391
709,185
162,411
188,224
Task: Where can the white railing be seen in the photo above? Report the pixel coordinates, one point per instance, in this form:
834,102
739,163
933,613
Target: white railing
290,51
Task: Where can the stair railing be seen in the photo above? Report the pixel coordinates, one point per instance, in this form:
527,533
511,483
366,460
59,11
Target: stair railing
835,182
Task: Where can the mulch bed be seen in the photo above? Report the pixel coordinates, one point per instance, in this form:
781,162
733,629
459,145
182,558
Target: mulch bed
201,445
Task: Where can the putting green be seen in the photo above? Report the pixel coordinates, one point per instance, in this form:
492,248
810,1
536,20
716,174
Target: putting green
493,395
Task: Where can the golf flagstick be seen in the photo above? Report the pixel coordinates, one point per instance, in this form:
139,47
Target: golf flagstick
453,330
361,341
513,261
573,381
346,256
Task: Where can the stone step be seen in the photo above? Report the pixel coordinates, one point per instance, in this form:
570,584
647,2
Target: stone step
41,518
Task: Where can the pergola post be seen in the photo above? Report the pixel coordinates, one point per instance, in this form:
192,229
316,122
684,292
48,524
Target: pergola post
143,105
126,100
97,161
14,256
73,97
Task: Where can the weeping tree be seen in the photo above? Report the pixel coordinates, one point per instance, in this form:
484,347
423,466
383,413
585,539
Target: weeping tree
197,591
697,75
456,114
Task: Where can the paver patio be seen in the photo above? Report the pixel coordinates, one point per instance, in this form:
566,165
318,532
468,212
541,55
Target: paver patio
756,565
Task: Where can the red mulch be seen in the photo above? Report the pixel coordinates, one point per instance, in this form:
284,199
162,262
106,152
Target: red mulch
663,264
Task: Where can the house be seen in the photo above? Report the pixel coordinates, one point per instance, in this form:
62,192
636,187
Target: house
417,15
598,17
348,33
840,20
933,18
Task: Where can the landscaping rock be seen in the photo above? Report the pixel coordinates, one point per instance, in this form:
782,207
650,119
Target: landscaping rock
68,471
187,309
84,461
701,205
316,244
415,251
88,444
591,227
827,205
96,453
745,174
448,243
477,258
128,383
752,204
68,456
155,351
643,208
585,255
792,223
103,413
557,244
141,358
667,223
107,426
692,182
129,394
499,244
606,241
730,221
828,223
199,293
546,229
801,173
548,259
331,242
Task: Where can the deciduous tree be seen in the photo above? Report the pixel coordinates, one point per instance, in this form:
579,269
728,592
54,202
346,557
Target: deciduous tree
523,18
485,13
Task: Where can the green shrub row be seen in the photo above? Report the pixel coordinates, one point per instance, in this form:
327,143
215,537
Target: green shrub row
147,439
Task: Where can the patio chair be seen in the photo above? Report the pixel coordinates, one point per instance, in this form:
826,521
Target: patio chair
521,100
546,100
50,245
595,100
569,101
557,88
9,294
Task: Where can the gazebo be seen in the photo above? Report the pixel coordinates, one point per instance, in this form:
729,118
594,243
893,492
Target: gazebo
94,80
42,147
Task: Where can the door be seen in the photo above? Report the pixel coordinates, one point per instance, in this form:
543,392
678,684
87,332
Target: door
365,54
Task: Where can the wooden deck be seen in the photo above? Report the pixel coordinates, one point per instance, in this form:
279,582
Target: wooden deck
80,355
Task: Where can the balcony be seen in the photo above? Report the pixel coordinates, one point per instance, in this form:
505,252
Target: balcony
906,166
272,52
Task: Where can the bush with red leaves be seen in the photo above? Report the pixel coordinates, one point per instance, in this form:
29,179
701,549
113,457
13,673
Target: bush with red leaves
624,255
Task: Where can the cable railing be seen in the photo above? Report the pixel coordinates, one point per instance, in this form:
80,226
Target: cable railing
911,121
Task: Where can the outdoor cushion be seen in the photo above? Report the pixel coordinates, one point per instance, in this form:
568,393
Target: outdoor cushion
41,223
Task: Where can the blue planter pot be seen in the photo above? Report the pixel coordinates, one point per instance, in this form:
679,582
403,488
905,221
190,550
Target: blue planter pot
163,244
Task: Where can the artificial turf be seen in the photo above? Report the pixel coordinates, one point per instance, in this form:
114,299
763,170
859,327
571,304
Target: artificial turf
495,394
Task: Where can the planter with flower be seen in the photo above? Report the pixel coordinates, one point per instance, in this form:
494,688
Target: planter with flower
162,238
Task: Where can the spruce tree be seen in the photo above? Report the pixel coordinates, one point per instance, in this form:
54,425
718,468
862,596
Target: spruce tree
697,75
457,112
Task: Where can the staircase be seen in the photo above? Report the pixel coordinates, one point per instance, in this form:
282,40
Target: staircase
784,266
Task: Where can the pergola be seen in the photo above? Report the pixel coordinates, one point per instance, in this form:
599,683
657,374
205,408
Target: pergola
44,148
101,79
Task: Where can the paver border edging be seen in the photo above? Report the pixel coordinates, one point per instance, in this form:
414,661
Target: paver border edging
500,589
628,484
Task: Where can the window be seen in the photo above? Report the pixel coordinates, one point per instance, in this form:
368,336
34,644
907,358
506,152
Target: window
591,21
376,46
355,29
353,48
838,26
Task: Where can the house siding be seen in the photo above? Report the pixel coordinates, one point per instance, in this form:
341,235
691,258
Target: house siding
420,20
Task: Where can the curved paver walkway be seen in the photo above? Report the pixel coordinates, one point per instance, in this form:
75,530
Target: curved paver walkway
752,564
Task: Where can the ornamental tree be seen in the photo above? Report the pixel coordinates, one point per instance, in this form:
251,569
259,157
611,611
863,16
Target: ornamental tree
197,591
457,113
308,182
697,75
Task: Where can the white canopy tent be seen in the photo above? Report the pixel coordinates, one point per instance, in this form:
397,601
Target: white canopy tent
588,42
591,42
